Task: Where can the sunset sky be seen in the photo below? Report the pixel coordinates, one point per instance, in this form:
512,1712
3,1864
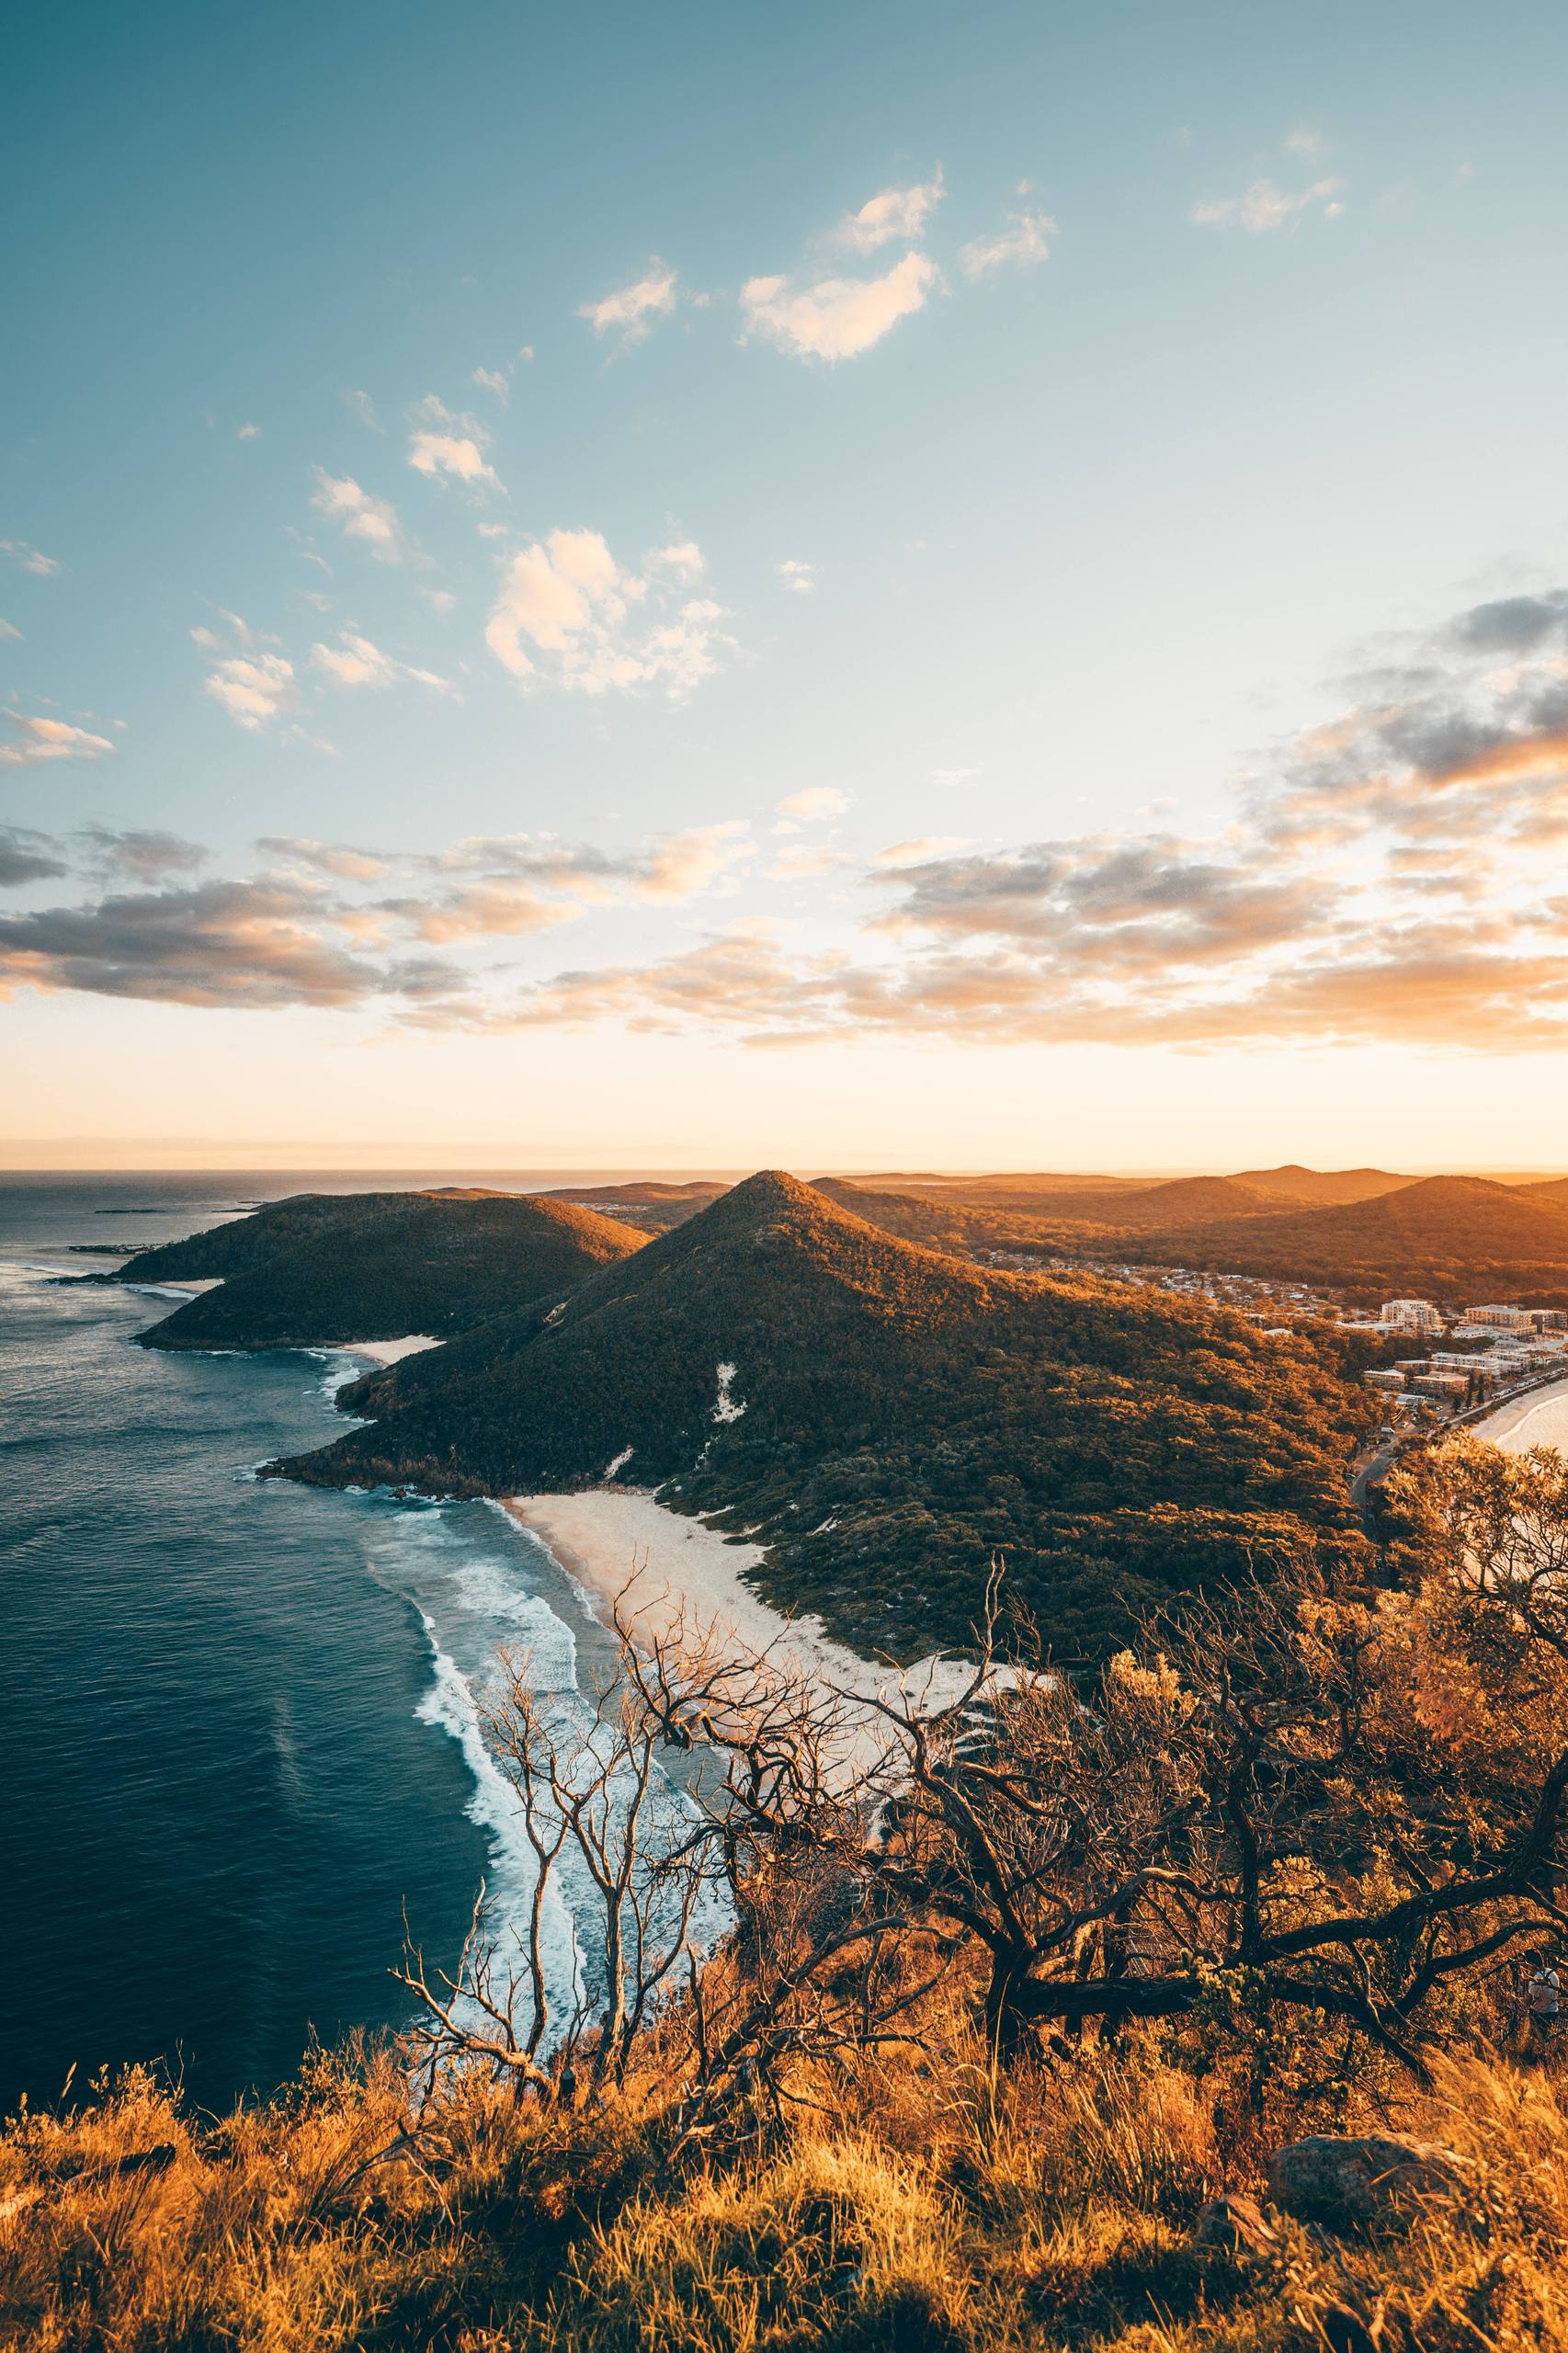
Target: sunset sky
862,584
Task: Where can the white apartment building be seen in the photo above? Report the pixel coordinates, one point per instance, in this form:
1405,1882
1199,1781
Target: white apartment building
1410,1315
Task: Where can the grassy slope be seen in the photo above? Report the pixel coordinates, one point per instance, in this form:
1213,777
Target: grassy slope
905,1417
376,1266
928,2208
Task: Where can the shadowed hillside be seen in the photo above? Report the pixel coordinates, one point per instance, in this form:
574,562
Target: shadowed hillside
886,1419
320,1269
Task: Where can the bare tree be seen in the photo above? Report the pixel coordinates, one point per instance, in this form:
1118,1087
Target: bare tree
1287,1801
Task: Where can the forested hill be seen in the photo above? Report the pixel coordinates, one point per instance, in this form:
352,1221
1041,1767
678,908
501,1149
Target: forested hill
324,1269
1462,1239
886,1419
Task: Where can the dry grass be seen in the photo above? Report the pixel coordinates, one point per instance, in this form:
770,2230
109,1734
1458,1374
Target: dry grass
934,2208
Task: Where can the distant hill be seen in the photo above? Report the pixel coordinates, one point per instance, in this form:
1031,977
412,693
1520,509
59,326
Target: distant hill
1181,1200
1087,1223
1322,1187
319,1269
652,1208
1463,1239
1027,1186
886,1419
938,1221
1551,1193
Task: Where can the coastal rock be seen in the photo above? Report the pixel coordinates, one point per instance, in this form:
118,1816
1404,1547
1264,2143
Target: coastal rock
1348,2183
1235,2224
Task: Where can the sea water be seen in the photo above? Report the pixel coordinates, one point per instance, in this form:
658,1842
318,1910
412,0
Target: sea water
241,1718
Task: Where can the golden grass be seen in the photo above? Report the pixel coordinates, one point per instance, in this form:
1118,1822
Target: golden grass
930,2207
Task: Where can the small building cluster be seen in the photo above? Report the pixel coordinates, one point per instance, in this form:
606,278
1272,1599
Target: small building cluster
1522,1345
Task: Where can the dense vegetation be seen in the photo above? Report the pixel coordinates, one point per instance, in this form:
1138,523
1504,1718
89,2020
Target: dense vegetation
643,1202
324,1269
891,1419
1462,1239
808,2145
1322,1186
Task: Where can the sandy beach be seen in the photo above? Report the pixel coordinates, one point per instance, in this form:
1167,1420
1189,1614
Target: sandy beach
1539,1419
389,1351
611,1540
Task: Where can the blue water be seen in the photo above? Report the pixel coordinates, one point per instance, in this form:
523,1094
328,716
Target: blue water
239,1725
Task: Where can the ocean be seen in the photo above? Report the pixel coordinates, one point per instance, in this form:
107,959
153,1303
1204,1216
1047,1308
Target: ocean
240,1739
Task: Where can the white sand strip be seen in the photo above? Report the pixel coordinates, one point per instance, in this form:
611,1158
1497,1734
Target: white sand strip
1539,1419
389,1351
612,1538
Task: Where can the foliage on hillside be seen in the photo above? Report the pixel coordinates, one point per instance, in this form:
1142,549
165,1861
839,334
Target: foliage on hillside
643,1202
892,1419
1321,1186
1459,1238
325,1268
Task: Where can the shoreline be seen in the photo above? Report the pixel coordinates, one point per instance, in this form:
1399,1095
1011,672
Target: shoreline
1509,1427
669,1571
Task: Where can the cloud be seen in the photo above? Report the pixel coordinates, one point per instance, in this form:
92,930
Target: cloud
484,910
1305,141
566,614
248,433
531,870
247,944
361,406
799,577
28,856
894,212
361,516
684,556
251,687
449,444
838,318
354,661
1264,206
813,804
339,859
634,308
948,778
1022,243
458,455
9,629
1389,876
921,850
31,559
49,739
1381,881
493,379
139,853
806,865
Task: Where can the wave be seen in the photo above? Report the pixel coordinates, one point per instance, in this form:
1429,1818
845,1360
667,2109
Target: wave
496,1808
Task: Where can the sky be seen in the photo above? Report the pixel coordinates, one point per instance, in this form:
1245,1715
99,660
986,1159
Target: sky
842,586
